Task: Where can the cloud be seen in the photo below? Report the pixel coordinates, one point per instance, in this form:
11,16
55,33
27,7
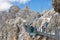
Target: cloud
6,4
24,1
20,1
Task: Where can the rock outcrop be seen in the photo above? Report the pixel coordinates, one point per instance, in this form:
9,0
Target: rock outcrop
12,28
12,23
56,5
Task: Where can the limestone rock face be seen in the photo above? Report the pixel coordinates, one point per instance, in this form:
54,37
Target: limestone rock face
12,27
27,14
54,22
39,22
12,23
14,9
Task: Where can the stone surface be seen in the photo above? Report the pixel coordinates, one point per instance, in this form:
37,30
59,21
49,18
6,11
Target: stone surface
12,23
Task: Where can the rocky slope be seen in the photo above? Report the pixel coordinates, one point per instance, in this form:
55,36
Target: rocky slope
12,23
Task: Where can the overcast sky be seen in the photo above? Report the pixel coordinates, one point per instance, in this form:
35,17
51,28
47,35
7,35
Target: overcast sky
36,5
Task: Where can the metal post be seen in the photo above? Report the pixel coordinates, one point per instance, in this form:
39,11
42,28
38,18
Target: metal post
57,34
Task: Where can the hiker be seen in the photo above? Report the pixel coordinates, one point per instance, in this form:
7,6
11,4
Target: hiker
46,24
43,29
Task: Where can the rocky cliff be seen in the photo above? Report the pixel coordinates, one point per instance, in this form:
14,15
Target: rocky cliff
12,23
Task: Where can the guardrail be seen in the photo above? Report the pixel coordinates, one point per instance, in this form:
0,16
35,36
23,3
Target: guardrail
36,33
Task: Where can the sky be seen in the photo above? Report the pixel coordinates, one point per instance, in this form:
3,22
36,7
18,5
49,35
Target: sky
36,5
